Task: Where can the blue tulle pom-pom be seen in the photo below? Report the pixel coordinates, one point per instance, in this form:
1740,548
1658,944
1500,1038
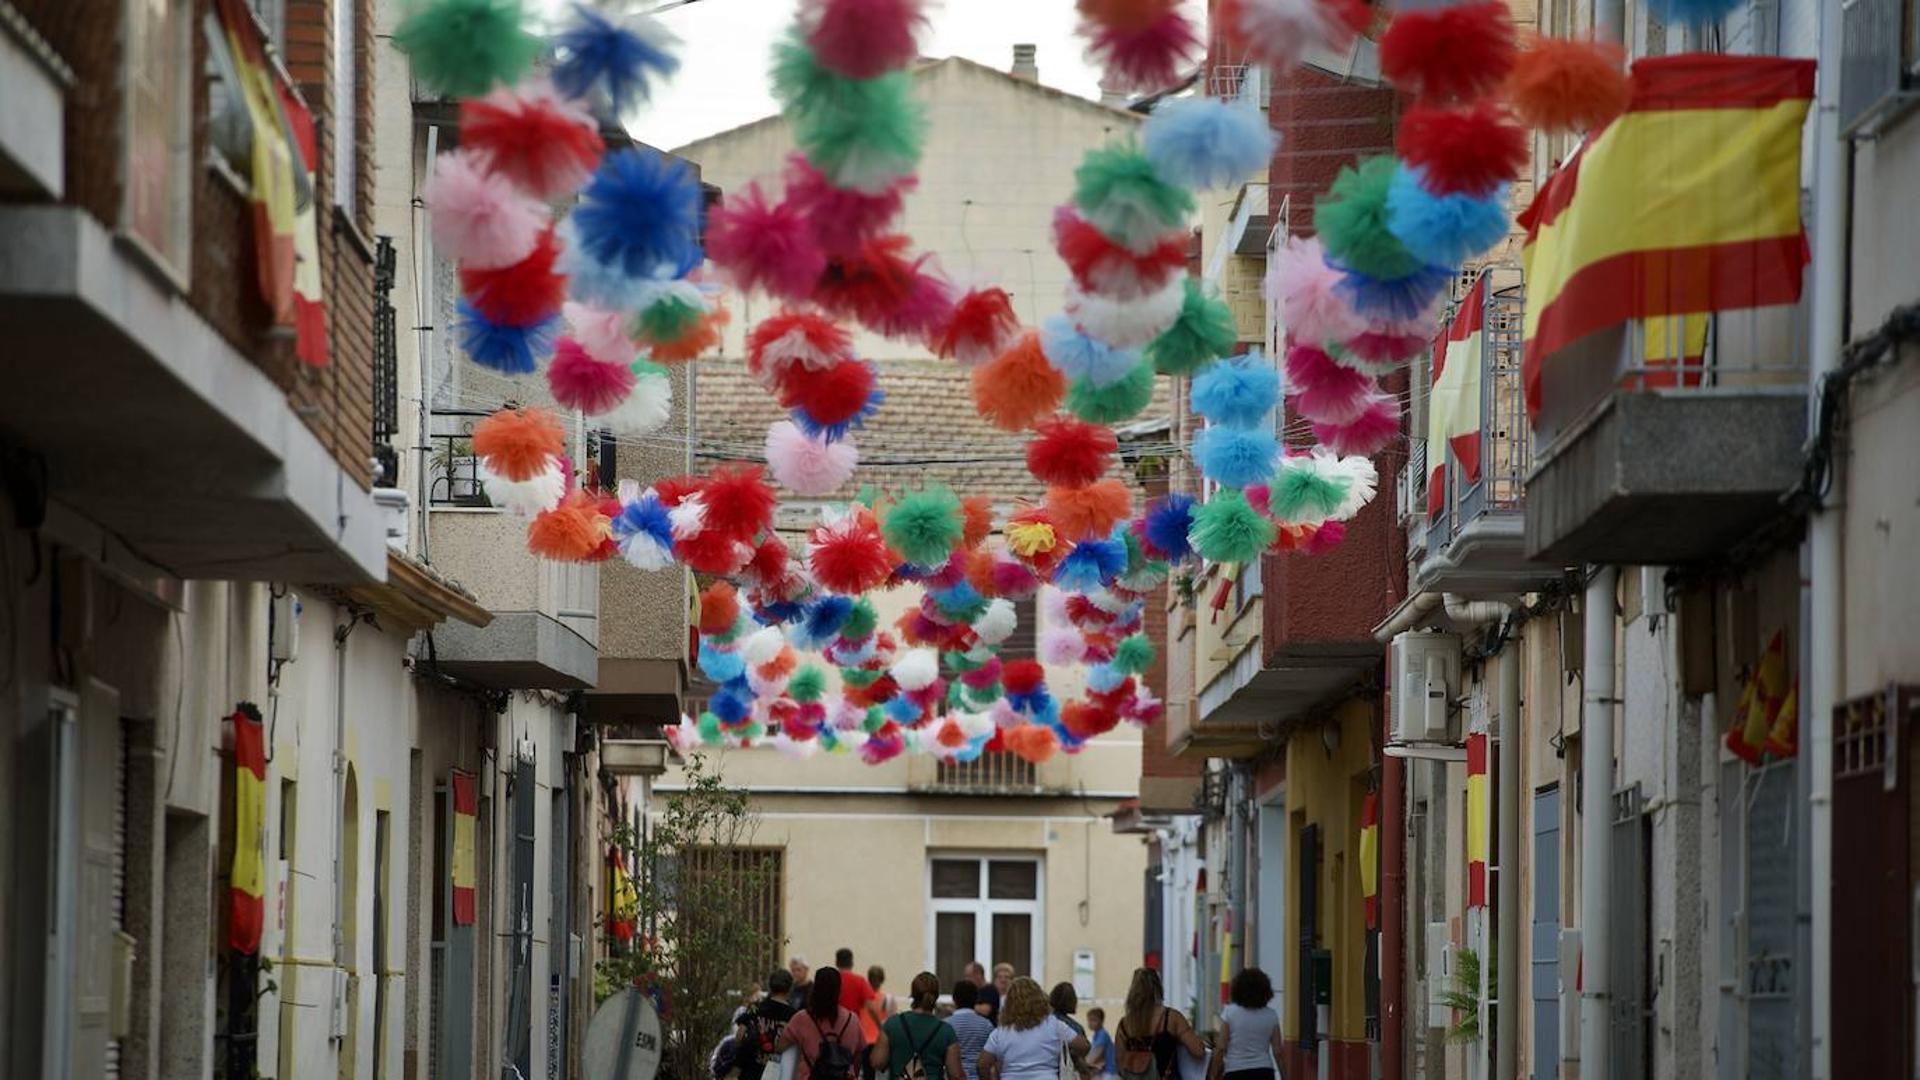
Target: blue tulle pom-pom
1397,299
836,432
641,211
1165,526
1104,678
605,285
1444,230
1078,356
647,517
731,704
1693,12
512,350
1207,143
1236,457
617,59
1091,564
720,664
901,710
826,616
1239,392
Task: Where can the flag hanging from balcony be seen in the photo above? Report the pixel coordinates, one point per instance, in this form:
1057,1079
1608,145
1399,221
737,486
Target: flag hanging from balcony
1688,203
466,815
1370,858
247,891
1761,703
1453,404
1477,824
623,917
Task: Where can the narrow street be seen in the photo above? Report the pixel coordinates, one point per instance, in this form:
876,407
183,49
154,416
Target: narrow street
984,540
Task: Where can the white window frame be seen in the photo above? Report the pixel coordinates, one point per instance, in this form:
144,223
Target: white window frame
984,909
172,254
346,104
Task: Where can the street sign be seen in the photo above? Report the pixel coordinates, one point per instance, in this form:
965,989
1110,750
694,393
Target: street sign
623,1039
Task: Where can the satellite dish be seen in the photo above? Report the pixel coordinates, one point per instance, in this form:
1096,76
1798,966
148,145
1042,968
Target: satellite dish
623,1039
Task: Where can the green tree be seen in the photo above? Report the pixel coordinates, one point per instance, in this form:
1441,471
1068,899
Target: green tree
704,938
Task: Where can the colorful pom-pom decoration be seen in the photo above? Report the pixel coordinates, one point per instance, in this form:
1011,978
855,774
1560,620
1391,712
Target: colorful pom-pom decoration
1569,84
831,402
1444,230
511,350
1018,387
546,146
1143,56
924,526
765,245
1304,286
1127,324
1233,457
863,38
981,326
1204,142
1090,512
1070,453
806,465
1226,529
1353,222
1120,192
1453,53
1163,529
522,295
478,218
641,212
578,381
1204,332
1239,393
1471,150
1367,434
615,59
1109,268
463,48
1115,402
1078,354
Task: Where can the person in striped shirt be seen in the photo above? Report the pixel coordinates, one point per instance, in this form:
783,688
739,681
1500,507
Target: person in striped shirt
969,1027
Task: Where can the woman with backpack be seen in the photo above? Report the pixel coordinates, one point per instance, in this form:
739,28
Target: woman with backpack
1249,1045
917,1045
1031,1043
1151,1034
828,1036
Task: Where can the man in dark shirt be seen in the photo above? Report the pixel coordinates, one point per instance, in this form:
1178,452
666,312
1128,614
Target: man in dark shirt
988,1003
757,1028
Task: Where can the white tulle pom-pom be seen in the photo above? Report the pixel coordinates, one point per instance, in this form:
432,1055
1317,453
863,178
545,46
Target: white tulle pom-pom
1127,324
525,498
997,623
917,669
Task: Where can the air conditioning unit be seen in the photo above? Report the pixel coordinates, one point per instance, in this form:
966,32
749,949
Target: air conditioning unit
1426,677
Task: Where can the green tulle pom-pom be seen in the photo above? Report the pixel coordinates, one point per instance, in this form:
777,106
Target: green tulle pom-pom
924,525
709,730
1114,402
1226,528
1302,495
1133,655
861,621
862,133
1120,193
859,678
462,48
875,720
1203,333
960,663
807,684
667,320
981,696
1352,221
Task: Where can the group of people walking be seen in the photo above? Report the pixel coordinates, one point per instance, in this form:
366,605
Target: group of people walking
1003,1028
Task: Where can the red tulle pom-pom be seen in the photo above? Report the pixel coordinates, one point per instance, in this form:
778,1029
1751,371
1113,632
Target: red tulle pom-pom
1070,453
1091,512
673,489
848,556
1385,347
843,219
764,245
1455,53
719,608
739,502
546,146
523,294
795,339
518,444
829,397
1149,58
1015,389
1085,720
1564,84
1470,151
863,38
578,381
866,284
980,327
1366,434
1105,268
923,310
712,552
770,563
1022,676
1124,14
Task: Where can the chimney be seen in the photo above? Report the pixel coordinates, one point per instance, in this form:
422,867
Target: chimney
1024,66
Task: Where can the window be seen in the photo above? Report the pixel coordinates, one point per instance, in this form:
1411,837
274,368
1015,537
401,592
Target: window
159,124
748,883
984,908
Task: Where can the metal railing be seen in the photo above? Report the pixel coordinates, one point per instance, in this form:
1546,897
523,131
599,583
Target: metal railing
453,473
1506,437
992,773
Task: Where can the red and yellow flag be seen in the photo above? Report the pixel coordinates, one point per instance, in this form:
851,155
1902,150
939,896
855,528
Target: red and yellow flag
466,816
1453,404
1688,203
623,899
1370,858
247,892
1477,820
1761,702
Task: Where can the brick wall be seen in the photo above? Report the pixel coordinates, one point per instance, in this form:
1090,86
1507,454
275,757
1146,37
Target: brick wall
1327,124
336,403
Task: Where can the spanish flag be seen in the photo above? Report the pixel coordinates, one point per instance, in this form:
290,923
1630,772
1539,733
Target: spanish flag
1688,203
623,898
1477,830
1761,703
466,816
1370,858
247,891
1453,405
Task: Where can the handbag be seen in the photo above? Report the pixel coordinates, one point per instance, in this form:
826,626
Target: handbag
1068,1071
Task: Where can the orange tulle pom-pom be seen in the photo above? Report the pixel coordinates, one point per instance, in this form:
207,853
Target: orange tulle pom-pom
1018,387
705,335
570,532
1091,512
519,443
782,665
1569,84
950,735
719,608
1033,742
976,515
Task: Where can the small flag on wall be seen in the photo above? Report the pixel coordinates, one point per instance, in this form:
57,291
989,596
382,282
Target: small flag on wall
248,892
1370,858
1477,823
466,816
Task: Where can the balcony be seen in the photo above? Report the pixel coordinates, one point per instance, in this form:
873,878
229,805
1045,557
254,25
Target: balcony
545,624
33,83
1655,454
1468,535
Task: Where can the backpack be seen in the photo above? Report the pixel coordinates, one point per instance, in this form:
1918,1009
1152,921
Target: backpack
725,1058
834,1061
915,1068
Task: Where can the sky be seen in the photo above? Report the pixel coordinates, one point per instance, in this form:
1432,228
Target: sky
722,81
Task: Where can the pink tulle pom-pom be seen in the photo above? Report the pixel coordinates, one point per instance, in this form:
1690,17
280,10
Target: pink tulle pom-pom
1013,579
1146,59
479,219
1060,645
805,465
763,245
1301,282
927,307
1326,537
1257,496
1323,391
533,137
578,381
1366,434
795,337
1379,351
863,38
982,326
602,333
882,748
843,220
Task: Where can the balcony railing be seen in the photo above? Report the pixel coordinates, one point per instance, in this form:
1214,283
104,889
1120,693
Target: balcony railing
993,773
1506,442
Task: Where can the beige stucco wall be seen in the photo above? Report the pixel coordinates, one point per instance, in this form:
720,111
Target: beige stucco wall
643,614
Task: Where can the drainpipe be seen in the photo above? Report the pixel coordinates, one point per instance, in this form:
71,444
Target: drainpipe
1596,823
1507,896
1825,602
1393,876
423,271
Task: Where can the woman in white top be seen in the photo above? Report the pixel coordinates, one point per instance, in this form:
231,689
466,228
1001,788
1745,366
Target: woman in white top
1249,1046
1030,1039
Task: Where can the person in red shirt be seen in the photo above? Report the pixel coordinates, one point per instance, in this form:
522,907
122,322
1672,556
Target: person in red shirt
857,995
